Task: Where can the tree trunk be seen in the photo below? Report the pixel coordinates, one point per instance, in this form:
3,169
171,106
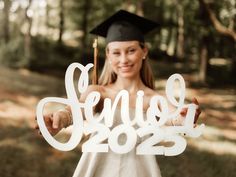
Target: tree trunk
219,27
7,5
61,23
171,42
139,6
180,37
127,5
86,10
27,41
203,61
47,24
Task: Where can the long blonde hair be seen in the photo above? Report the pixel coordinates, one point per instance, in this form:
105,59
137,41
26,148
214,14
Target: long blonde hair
108,76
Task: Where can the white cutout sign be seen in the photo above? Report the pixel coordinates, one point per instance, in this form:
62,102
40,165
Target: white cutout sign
106,136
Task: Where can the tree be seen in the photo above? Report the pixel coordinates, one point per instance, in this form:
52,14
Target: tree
84,26
6,24
180,36
203,60
27,40
61,20
219,27
139,6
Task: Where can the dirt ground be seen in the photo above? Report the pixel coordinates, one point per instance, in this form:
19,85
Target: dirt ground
23,153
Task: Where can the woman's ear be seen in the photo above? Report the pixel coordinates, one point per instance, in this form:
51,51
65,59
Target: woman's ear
145,52
107,55
108,59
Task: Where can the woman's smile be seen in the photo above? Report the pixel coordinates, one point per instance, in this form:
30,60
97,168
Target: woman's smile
125,68
126,58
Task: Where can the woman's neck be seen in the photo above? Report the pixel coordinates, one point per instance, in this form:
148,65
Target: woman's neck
131,85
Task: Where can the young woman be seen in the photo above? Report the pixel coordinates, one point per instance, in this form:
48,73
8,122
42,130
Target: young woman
126,68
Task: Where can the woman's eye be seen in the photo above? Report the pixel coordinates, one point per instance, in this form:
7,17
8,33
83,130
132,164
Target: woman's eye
131,51
116,53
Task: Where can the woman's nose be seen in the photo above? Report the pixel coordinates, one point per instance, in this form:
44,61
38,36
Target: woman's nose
123,58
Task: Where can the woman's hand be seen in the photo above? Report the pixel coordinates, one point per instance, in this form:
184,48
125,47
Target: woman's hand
56,121
198,111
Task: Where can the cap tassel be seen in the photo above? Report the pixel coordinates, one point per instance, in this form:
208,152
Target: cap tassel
95,60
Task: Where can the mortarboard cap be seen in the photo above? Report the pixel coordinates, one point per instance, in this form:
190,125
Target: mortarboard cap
124,26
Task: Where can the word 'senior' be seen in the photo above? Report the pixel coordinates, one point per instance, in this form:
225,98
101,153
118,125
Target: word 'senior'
102,128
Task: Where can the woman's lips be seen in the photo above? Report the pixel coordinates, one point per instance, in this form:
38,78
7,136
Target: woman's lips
125,68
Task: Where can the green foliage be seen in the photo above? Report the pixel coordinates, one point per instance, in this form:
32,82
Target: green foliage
47,54
12,53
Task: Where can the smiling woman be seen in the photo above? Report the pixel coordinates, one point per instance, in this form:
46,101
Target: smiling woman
129,58
126,58
126,82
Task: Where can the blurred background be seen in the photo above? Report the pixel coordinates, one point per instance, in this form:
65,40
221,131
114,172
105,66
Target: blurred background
40,38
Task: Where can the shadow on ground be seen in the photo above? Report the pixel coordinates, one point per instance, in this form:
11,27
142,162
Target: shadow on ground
23,153
196,163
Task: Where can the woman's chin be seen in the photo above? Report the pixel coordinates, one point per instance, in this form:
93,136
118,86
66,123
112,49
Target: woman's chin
127,75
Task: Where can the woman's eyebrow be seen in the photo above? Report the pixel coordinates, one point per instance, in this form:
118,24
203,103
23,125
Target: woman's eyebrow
132,46
115,49
123,48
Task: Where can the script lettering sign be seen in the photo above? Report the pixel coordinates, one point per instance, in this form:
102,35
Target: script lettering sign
101,126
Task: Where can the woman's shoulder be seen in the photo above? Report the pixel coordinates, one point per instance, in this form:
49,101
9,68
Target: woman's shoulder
92,88
150,93
98,88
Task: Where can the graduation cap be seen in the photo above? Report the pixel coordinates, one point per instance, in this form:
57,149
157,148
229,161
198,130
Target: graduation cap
121,26
124,26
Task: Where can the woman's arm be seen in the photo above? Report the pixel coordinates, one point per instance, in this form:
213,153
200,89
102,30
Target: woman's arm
63,118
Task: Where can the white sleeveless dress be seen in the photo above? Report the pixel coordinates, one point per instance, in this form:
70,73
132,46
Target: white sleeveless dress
111,164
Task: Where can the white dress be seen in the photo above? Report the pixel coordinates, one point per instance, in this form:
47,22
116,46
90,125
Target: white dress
111,164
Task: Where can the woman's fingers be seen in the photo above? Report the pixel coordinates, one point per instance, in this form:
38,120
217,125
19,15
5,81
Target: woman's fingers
183,112
195,101
198,111
56,121
39,132
48,119
36,126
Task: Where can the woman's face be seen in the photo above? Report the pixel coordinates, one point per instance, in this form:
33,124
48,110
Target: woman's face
126,58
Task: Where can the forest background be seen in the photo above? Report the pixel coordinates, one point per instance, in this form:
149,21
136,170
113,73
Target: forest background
40,38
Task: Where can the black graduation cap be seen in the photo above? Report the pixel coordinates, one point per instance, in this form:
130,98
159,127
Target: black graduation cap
124,26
